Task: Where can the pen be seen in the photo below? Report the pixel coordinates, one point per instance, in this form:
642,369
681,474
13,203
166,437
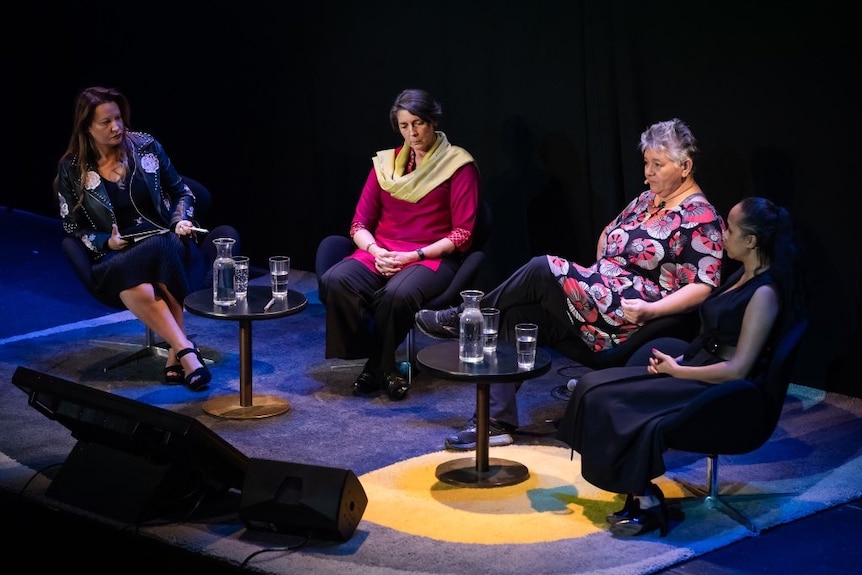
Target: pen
269,305
200,230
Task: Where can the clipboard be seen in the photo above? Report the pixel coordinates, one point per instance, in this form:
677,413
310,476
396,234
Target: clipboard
138,236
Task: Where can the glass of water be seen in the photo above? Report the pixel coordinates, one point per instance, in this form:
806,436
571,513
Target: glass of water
526,335
491,315
279,269
240,277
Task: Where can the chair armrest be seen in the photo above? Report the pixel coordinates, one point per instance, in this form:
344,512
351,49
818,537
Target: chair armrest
330,251
78,257
464,278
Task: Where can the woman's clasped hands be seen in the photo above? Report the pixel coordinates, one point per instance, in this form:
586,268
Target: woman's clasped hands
661,362
388,263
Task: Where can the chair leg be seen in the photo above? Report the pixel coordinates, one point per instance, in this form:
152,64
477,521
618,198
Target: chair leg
714,500
150,349
410,350
411,353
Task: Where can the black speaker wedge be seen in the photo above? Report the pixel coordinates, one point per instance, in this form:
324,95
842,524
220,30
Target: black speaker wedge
299,499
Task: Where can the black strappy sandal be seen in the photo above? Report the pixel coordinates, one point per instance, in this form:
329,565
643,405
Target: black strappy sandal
199,378
174,375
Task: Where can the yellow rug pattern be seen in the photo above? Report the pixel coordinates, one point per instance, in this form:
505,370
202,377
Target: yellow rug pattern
554,503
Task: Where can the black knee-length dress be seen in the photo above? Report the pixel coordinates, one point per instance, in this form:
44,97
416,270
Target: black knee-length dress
177,262
614,417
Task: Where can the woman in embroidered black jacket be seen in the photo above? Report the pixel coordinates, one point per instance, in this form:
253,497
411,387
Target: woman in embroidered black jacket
112,182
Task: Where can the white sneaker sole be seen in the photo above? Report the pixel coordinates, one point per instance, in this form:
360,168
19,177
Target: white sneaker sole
493,441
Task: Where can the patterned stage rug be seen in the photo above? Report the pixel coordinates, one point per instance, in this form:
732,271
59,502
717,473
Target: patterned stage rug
553,503
552,523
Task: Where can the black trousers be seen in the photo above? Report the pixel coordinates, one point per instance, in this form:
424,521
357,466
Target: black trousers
368,315
531,294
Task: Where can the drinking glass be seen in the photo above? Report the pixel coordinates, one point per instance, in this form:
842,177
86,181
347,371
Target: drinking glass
526,335
491,315
240,277
279,269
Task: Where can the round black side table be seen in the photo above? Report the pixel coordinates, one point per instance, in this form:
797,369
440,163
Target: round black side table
246,310
498,367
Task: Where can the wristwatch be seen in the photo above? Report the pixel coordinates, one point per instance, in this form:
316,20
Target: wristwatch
421,254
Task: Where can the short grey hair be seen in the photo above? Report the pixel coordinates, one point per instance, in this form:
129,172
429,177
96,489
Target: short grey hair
674,137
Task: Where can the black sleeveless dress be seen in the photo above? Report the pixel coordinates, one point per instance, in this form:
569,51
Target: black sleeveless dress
614,416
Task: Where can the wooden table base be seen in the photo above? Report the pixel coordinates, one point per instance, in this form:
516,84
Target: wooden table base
229,407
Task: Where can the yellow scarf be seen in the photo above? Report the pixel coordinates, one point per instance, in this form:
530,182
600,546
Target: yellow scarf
438,165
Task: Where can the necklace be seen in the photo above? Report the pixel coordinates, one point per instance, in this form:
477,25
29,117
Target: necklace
660,206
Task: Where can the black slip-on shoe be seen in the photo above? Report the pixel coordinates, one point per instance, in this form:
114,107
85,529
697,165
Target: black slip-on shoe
366,383
396,386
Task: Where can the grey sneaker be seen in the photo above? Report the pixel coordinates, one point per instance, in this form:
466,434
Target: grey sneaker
443,324
465,439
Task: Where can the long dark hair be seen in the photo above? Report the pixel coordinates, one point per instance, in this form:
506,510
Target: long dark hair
779,247
80,149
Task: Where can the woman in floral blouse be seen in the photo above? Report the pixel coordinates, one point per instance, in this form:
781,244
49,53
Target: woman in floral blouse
661,255
112,182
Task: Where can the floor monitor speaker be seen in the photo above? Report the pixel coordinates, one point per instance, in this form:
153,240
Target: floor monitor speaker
306,500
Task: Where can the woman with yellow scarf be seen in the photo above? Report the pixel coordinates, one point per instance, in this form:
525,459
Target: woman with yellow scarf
412,225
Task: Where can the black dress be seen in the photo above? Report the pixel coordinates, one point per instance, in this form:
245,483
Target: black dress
614,417
161,259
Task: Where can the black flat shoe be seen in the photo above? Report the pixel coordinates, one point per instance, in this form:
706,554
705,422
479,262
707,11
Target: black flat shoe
396,386
642,521
366,383
625,513
199,379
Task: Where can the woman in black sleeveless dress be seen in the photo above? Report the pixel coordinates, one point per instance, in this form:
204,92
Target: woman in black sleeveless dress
614,416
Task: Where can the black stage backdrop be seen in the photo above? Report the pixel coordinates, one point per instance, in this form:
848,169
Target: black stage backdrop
279,108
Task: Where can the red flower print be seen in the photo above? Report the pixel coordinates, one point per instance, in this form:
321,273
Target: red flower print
708,240
677,243
615,317
583,305
709,270
611,267
697,213
619,283
664,226
644,253
616,243
602,296
559,266
597,340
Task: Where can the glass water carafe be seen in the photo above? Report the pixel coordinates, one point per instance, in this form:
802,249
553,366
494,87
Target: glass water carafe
223,273
471,337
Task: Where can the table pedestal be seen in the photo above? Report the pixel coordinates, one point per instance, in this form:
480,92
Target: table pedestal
247,405
482,471
464,473
263,406
497,367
